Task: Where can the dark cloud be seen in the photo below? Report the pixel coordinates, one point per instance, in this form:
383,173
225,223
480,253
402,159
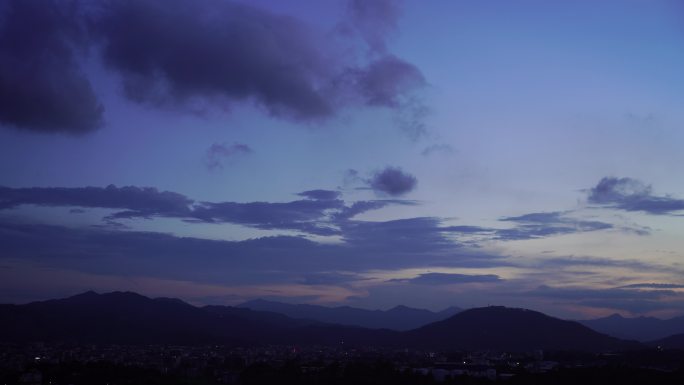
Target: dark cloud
322,213
42,87
140,201
632,195
173,50
448,279
220,152
315,215
538,225
323,195
186,54
412,234
392,181
306,215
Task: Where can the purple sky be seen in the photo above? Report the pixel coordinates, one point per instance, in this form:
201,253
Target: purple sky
366,153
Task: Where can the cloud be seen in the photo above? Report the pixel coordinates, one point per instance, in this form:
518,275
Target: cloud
321,214
42,87
172,51
653,286
330,278
392,181
634,301
323,195
393,83
259,260
631,264
437,149
412,234
218,153
448,279
185,55
361,207
141,201
305,215
386,81
607,294
374,20
632,195
538,225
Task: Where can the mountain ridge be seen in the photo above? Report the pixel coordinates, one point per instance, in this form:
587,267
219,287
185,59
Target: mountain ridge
638,328
130,318
400,317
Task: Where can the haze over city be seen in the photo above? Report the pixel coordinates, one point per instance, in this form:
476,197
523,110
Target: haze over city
360,153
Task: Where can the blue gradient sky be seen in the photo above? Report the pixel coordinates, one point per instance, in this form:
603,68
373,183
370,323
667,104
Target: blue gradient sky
567,110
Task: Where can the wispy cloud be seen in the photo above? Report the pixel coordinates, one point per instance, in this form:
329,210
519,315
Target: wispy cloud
449,279
218,153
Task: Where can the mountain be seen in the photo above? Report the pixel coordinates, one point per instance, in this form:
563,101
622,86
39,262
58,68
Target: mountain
639,328
501,328
129,318
675,341
398,318
112,317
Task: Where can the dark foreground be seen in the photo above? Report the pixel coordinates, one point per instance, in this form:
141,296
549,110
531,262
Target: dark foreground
139,365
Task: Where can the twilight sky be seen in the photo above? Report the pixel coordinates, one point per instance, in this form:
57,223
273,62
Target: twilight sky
367,153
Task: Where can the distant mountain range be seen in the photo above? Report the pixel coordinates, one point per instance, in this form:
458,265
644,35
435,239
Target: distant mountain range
398,318
129,318
638,328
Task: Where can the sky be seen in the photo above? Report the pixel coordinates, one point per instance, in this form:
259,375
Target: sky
364,153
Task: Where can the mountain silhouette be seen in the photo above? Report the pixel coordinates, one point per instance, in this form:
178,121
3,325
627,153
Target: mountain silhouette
398,318
638,328
129,318
501,328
